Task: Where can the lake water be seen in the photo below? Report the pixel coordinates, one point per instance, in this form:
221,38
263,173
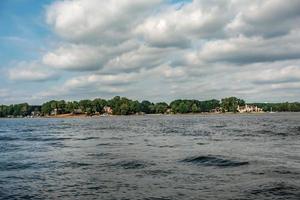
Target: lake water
152,157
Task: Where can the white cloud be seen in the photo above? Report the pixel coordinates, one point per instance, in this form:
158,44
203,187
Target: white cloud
158,50
92,85
268,18
180,27
244,49
75,57
100,80
84,57
97,21
140,58
285,74
31,71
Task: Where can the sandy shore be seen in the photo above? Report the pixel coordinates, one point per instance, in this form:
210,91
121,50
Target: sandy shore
61,116
84,115
67,116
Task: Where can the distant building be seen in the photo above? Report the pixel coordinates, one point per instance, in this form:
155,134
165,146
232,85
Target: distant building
77,111
54,112
35,113
169,111
248,109
108,110
216,110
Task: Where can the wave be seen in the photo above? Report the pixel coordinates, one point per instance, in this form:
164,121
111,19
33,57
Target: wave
88,138
47,139
158,172
284,171
202,143
7,166
214,161
77,164
27,130
6,138
294,130
169,146
132,164
3,131
281,189
158,198
99,155
12,166
104,144
219,126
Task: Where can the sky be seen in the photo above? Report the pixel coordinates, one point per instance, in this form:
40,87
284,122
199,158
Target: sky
159,50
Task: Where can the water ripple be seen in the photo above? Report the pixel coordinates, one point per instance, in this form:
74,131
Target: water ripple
214,161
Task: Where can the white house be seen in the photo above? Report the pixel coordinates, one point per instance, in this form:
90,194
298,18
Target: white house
248,109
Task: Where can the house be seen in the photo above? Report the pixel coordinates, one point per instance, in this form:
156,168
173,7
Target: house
216,110
248,109
77,111
54,112
169,111
35,113
108,110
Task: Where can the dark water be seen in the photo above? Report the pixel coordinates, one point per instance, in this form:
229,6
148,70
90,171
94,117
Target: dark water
151,157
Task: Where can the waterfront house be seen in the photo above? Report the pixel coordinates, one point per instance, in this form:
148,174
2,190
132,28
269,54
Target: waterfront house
77,111
248,109
35,114
216,110
54,112
108,110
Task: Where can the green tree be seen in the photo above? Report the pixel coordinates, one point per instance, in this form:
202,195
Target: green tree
161,107
146,107
195,108
183,107
99,104
231,104
124,109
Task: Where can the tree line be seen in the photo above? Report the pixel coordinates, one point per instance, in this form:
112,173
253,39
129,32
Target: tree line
125,106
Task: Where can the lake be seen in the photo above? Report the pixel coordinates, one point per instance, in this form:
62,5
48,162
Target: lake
254,156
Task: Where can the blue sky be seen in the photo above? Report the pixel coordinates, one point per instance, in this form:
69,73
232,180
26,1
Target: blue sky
22,29
157,50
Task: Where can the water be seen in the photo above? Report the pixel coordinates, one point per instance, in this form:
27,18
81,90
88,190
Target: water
152,157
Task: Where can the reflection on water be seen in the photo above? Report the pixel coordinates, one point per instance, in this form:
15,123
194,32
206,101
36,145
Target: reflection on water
151,157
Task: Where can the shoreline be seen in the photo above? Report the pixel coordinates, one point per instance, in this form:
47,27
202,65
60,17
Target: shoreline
74,116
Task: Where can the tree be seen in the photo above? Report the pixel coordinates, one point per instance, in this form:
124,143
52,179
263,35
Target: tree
195,108
231,104
46,108
146,107
99,104
124,109
183,108
134,107
161,107
86,105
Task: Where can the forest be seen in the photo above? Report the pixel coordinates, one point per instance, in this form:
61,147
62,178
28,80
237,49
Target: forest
124,106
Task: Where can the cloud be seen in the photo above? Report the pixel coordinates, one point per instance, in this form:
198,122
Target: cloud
266,18
31,71
163,50
244,49
283,75
97,21
180,27
99,80
84,57
75,57
92,85
4,93
140,58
